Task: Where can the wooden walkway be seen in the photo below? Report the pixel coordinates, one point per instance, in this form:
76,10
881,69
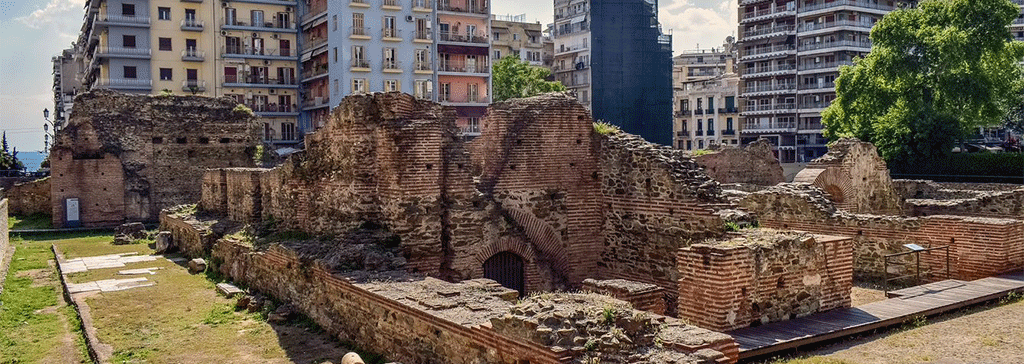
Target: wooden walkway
905,304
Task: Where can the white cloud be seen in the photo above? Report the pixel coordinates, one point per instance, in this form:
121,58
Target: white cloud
55,11
691,26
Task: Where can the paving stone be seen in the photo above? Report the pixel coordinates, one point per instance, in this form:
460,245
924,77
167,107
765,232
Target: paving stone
149,271
228,290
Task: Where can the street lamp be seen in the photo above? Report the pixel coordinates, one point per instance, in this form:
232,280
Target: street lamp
46,130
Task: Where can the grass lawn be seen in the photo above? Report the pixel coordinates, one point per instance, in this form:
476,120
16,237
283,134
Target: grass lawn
30,222
35,325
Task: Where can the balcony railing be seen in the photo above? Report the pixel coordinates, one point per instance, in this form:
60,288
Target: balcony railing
752,71
768,125
360,31
245,23
389,2
682,113
698,111
464,67
257,80
814,105
124,19
832,4
314,12
824,65
391,33
711,132
192,25
124,83
463,38
250,51
316,101
770,12
193,86
424,35
817,86
474,8
571,48
315,71
772,49
192,54
727,110
269,107
833,44
359,63
699,132
769,30
391,64
315,42
421,4
122,51
683,134
728,132
769,88
421,66
465,99
806,27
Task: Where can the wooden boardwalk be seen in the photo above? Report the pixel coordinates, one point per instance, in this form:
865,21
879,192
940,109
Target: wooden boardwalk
905,304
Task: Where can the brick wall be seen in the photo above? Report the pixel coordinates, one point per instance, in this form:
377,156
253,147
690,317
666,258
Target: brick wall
148,152
754,164
854,177
28,198
980,247
768,277
642,296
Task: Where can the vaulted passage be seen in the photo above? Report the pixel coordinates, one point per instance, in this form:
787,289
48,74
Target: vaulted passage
506,268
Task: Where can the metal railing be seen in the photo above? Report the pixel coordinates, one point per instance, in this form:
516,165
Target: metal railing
314,12
250,51
192,24
316,101
423,4
769,125
472,7
817,86
423,34
464,38
124,82
842,23
772,68
837,3
772,49
391,64
122,51
192,54
770,11
421,66
771,107
257,80
916,251
465,98
269,107
315,42
390,33
236,22
838,43
354,30
768,88
316,70
464,67
126,19
769,30
193,85
821,65
359,63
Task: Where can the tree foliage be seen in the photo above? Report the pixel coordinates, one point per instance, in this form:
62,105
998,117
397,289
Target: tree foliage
8,159
933,72
513,78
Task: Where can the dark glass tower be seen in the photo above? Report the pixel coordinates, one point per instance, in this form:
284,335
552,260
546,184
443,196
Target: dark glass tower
631,62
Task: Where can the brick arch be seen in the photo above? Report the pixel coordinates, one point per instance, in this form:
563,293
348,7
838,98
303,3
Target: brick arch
837,184
544,239
531,274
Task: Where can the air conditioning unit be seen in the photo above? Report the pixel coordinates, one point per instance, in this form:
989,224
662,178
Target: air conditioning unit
408,18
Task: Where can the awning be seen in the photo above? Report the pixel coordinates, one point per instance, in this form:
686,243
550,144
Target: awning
578,19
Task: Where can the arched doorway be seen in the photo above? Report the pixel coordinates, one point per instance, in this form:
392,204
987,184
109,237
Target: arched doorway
507,269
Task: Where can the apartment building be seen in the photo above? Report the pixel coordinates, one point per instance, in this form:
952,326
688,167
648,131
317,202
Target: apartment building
245,49
463,72
66,83
790,54
706,98
616,58
512,35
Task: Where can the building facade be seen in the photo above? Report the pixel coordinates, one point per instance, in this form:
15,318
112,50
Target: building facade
66,84
512,35
463,76
616,58
790,54
706,98
244,49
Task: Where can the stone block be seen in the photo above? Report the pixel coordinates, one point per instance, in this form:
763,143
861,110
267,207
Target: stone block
165,242
351,358
229,290
197,265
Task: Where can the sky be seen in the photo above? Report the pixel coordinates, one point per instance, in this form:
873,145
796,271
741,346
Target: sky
36,30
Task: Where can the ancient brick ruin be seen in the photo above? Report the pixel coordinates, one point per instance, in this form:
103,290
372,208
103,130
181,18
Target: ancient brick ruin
753,164
126,157
29,198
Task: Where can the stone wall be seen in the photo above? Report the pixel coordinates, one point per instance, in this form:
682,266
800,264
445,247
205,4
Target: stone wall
642,296
754,164
925,198
979,247
762,276
414,319
125,157
854,177
29,198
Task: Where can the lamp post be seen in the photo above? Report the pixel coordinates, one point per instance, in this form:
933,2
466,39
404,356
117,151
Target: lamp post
46,129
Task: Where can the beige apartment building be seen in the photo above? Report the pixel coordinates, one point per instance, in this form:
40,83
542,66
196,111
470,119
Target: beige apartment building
706,98
513,35
244,49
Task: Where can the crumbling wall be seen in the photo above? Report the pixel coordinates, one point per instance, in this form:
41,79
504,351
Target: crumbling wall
763,276
642,296
125,157
854,177
754,164
657,200
29,198
925,198
979,247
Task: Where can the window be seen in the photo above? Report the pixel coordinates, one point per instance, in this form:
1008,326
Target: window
165,74
358,58
389,27
497,54
130,72
422,60
335,54
128,41
389,59
497,36
423,89
128,9
190,16
515,36
165,44
390,85
728,123
288,131
257,18
445,92
358,85
334,22
336,86
357,24
163,13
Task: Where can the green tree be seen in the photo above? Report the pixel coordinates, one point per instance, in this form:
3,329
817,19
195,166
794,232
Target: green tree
513,78
933,72
8,159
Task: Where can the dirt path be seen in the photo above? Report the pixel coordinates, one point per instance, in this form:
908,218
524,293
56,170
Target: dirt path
66,350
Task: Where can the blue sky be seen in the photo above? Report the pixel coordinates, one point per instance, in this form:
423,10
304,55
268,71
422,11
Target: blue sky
35,30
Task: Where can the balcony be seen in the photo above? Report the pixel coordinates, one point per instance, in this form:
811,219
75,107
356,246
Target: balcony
479,67
242,24
768,32
193,55
760,90
728,132
122,20
864,45
770,13
682,134
564,49
769,126
124,84
359,64
314,72
748,2
709,111
423,36
390,5
727,110
445,6
121,52
479,38
812,28
826,86
698,111
699,132
314,13
192,1
391,66
768,52
711,132
682,113
829,66
359,33
269,109
391,34
465,99
772,70
312,43
764,109
358,3
193,86
422,67
814,106
192,25
421,6
316,102
285,54
253,80
826,7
